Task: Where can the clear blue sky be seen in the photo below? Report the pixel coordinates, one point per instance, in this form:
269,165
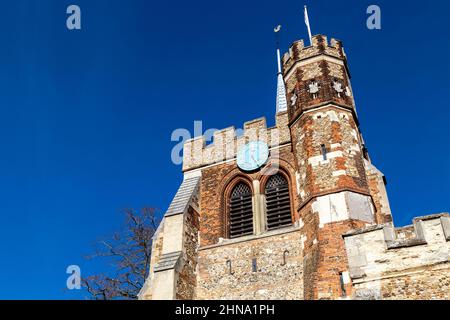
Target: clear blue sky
86,116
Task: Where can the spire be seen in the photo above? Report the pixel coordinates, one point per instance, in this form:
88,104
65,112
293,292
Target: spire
281,94
281,103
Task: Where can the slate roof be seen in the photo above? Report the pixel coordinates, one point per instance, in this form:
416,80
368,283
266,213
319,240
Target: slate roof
184,195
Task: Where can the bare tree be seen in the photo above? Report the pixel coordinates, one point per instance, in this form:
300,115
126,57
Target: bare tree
129,253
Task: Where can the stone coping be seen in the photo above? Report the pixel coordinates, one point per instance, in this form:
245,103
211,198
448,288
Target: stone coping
432,216
183,197
267,234
381,226
167,261
364,230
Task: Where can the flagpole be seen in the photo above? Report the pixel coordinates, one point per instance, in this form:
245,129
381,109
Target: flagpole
308,25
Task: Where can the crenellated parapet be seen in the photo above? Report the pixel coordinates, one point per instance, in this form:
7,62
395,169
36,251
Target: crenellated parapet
227,142
411,262
316,75
320,45
381,251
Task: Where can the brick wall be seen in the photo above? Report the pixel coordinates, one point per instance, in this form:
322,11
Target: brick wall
324,255
213,191
344,166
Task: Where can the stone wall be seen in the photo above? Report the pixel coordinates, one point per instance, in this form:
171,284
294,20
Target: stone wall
428,283
146,292
187,281
278,274
378,192
386,263
174,259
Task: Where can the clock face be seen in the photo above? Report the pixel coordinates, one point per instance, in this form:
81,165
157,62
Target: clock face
252,155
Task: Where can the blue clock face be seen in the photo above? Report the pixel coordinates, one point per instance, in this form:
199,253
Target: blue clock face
252,156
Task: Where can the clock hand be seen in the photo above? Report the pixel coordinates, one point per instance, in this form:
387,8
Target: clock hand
254,160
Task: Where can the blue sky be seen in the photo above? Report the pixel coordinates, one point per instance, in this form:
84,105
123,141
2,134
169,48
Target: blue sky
86,116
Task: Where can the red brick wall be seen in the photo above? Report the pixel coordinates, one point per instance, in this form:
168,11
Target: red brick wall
324,256
308,134
215,185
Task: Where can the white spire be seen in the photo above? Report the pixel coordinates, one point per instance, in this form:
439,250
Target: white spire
281,103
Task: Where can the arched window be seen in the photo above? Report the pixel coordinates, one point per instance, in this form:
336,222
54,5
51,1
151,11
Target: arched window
241,212
278,206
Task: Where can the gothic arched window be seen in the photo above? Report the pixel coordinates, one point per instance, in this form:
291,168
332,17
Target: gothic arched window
241,211
278,205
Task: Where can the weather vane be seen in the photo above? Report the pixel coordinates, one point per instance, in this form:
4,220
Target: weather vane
277,30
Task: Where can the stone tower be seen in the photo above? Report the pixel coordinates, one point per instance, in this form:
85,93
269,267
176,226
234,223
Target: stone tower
295,220
335,193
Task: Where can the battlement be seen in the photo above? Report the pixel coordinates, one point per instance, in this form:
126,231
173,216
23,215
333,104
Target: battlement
379,250
227,141
298,51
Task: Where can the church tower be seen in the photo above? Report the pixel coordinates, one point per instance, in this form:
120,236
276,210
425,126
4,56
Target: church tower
262,214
